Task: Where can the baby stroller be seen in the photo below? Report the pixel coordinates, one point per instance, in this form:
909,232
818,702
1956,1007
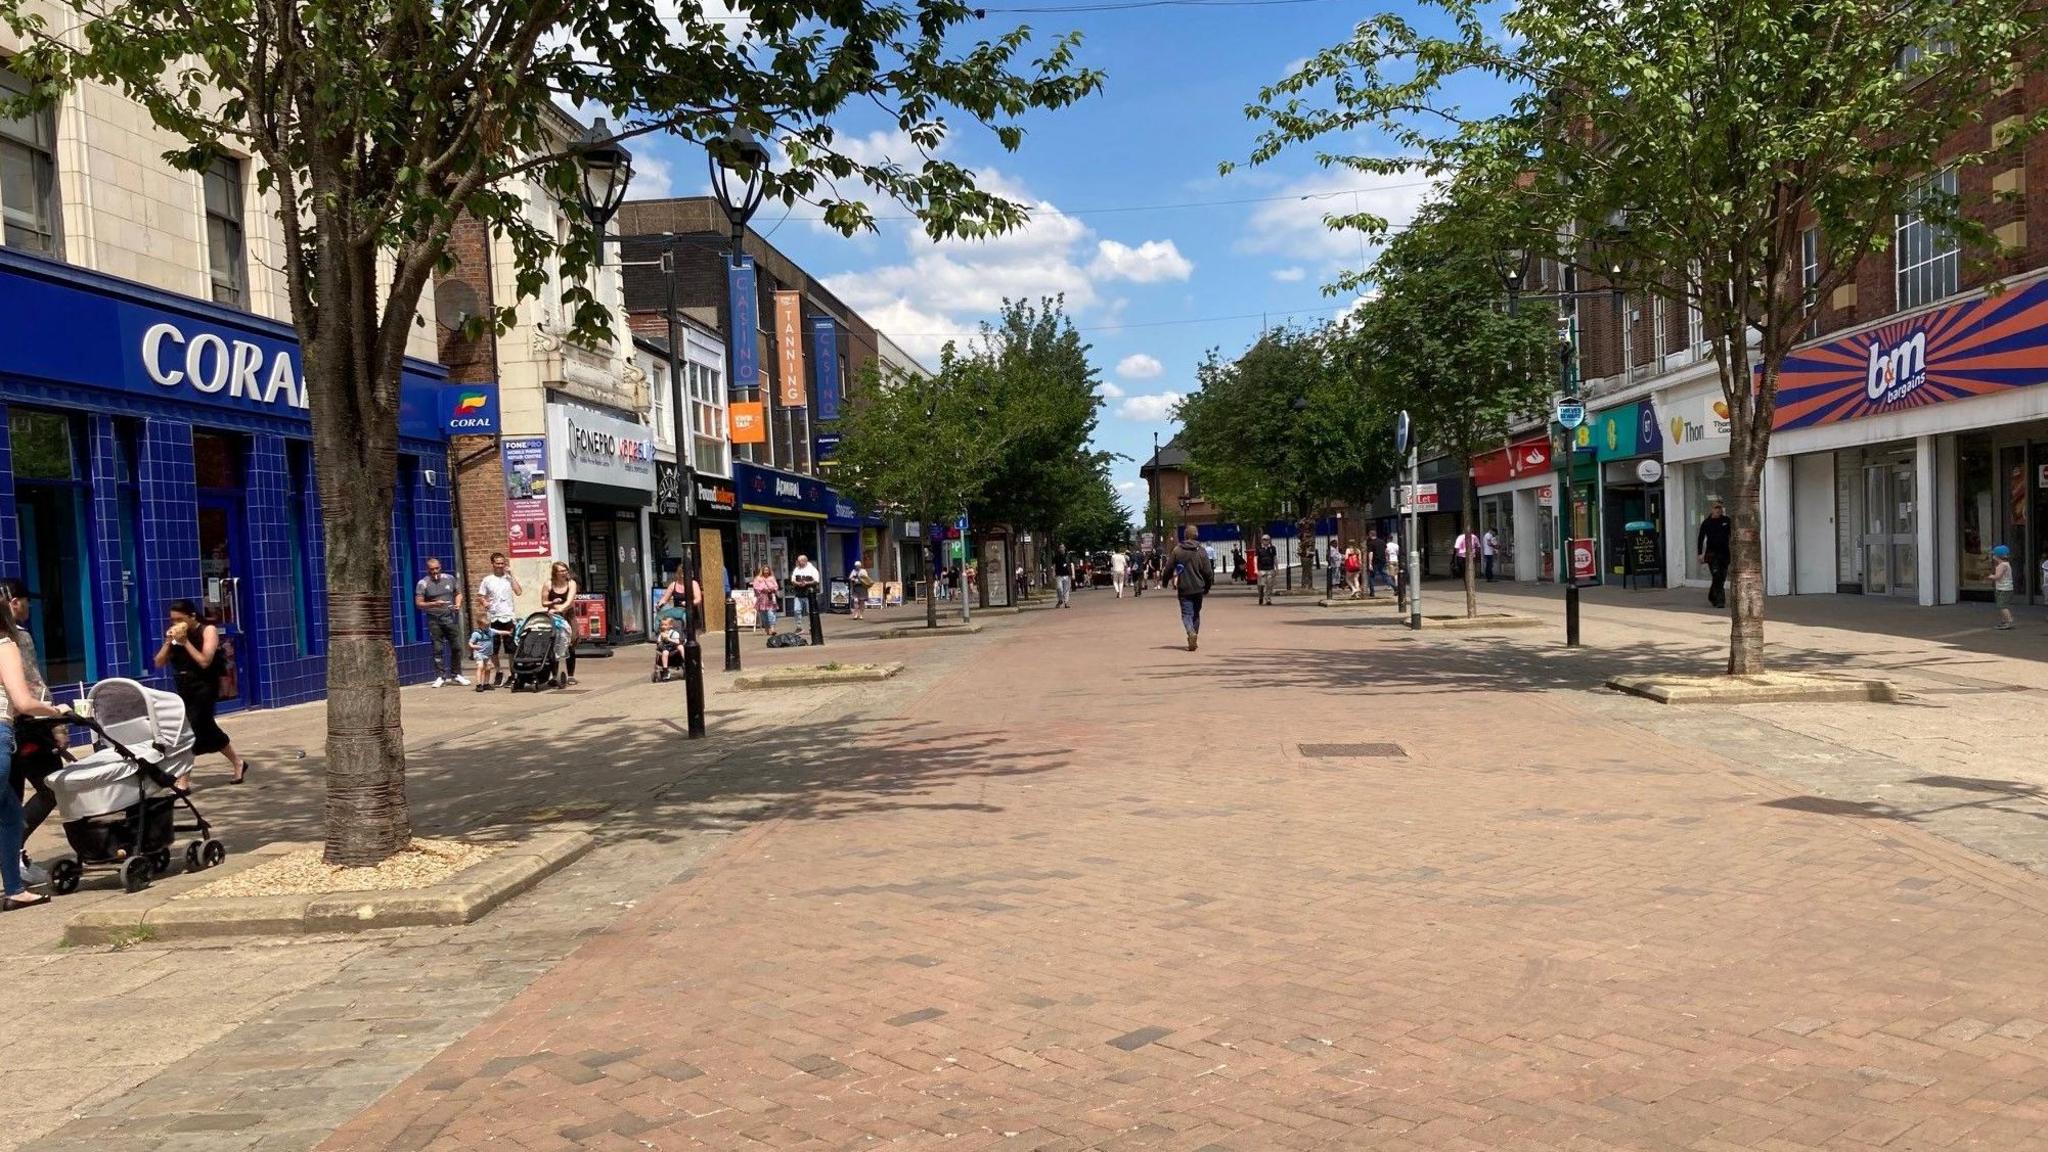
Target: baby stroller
539,651
119,803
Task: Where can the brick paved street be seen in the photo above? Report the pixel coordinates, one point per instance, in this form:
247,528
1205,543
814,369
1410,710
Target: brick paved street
1076,888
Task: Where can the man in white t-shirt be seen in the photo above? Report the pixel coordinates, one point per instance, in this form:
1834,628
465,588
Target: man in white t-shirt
1395,574
804,583
1119,570
1489,547
499,594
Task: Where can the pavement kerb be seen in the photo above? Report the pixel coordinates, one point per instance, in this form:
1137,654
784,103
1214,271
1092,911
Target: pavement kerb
811,676
472,893
941,630
1777,688
1485,620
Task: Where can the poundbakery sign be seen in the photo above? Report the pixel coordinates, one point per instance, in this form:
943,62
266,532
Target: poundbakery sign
590,447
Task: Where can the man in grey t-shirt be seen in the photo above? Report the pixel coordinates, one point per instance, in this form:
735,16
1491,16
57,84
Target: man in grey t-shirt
440,598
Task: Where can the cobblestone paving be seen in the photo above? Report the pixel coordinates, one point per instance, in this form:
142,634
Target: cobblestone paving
1092,894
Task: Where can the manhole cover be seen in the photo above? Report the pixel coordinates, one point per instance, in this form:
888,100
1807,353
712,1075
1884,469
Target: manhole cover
1330,750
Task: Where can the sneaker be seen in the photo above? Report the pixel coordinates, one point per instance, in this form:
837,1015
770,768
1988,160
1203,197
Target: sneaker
438,681
2002,627
33,875
1191,641
462,680
483,687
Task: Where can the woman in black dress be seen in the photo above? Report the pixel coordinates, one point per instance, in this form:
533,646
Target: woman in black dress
559,598
192,651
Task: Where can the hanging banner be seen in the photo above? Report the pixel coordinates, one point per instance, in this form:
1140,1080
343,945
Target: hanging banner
526,496
789,348
1976,348
748,424
744,302
825,354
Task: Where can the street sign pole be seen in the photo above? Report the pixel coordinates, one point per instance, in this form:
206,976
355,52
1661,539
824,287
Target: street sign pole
1570,413
1412,554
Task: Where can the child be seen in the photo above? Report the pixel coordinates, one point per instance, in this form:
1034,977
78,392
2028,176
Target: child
668,645
2001,584
483,643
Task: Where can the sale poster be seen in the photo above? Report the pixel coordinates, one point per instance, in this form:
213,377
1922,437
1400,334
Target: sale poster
526,496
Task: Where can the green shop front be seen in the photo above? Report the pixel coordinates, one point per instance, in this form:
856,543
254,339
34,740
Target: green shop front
1615,474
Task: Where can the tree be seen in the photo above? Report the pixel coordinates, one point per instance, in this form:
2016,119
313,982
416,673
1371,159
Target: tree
1437,342
378,123
1286,424
1043,392
1095,518
921,444
1696,141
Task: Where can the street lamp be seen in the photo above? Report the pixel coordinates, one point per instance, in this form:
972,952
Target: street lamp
738,164
607,169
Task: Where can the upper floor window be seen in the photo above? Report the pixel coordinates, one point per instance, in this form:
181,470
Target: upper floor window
1926,256
226,260
28,174
709,449
658,390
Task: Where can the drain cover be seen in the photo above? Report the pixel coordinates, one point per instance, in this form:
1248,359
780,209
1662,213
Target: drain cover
1330,750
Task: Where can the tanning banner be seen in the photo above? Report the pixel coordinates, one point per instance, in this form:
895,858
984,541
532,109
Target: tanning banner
789,349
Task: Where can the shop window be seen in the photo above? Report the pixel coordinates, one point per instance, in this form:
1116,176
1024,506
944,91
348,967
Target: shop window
657,382
51,502
1927,257
217,461
28,174
226,260
1705,482
1809,278
1978,513
298,457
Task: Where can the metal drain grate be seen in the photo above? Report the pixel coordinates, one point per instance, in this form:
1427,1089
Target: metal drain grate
1360,750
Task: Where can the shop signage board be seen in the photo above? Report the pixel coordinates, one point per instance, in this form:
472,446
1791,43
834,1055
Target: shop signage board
827,443
469,409
1585,561
526,496
748,423
1696,426
744,301
789,349
715,496
97,331
768,491
1979,347
825,355
591,447
668,489
1628,431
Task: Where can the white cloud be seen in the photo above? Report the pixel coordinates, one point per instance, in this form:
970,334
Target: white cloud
1138,366
1127,486
652,177
891,145
1291,274
1149,409
1294,228
1149,263
1109,391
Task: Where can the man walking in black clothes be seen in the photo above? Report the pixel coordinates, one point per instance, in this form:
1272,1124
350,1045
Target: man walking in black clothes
1192,577
1269,559
1713,552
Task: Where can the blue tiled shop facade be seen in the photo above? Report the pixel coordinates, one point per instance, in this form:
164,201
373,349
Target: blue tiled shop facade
155,448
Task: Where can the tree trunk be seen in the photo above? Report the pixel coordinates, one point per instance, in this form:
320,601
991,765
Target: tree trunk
1746,571
353,397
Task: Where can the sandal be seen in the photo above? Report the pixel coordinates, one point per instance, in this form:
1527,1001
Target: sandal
25,900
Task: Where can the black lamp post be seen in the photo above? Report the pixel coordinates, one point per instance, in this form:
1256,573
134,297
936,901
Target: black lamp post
1513,265
738,162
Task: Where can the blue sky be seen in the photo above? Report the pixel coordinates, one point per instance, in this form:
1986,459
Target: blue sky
1148,288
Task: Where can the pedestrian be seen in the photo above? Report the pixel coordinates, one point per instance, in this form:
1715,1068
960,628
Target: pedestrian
2001,584
1354,572
483,648
1333,570
198,659
1062,579
1269,558
859,581
559,599
24,695
1713,552
1193,576
1375,562
804,582
1119,570
440,597
1489,547
1022,584
767,598
1237,561
499,592
668,645
1397,578
1463,549
17,777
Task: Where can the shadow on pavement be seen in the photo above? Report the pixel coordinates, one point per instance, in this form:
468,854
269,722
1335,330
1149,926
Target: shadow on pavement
1994,792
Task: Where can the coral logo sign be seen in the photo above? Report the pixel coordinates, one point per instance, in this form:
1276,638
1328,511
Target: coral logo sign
469,410
1976,348
1896,373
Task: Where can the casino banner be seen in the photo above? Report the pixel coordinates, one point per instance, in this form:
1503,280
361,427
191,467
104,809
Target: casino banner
1976,348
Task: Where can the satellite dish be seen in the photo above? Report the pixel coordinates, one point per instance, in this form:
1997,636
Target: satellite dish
455,304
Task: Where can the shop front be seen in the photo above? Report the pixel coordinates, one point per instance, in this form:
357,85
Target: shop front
1628,447
1910,449
603,465
782,517
1512,487
716,520
159,448
1694,418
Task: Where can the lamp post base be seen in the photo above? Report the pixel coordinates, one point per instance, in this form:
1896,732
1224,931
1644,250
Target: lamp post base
1571,615
693,686
732,640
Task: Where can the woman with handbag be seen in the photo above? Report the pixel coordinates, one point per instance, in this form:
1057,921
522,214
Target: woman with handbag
198,658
